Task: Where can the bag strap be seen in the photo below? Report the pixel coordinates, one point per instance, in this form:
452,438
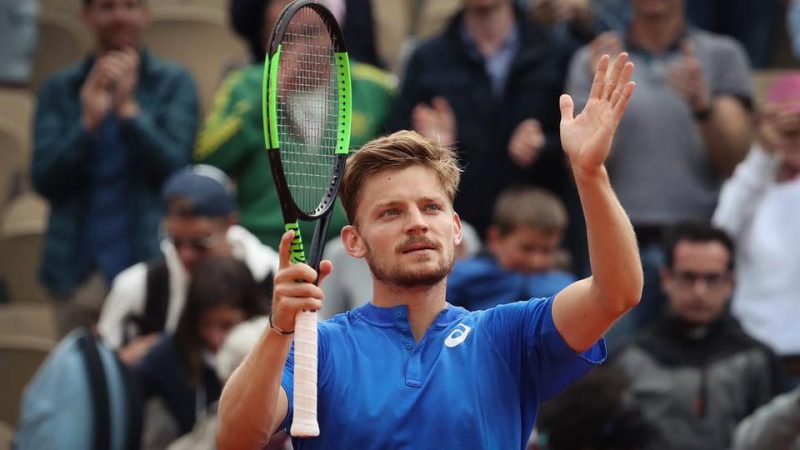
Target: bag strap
135,410
98,388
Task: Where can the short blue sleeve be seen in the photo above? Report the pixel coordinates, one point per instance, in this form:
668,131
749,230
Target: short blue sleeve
536,351
287,383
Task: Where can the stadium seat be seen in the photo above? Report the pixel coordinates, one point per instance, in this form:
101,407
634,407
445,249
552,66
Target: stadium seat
15,157
28,319
19,359
21,234
63,40
6,434
198,38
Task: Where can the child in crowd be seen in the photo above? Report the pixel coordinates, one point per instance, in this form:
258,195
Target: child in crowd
523,251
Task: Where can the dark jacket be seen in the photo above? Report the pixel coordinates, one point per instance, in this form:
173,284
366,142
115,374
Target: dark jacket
160,139
696,386
444,66
164,373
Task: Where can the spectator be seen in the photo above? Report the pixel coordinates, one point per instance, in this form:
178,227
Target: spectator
695,372
179,369
18,33
774,426
490,83
523,242
107,132
689,127
148,298
233,136
756,208
594,414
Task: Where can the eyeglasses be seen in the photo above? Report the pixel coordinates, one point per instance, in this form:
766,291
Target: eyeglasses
687,279
201,244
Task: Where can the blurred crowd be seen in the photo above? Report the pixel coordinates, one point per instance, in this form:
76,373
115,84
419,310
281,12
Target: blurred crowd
139,215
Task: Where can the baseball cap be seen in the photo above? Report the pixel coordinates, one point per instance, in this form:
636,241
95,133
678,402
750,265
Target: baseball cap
207,189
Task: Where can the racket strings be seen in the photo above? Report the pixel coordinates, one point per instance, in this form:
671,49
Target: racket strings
308,101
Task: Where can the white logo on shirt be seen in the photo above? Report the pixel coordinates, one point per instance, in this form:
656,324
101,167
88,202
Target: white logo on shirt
457,336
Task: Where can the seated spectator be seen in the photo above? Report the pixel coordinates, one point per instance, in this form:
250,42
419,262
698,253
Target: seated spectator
695,372
523,243
233,135
774,426
757,207
180,368
107,132
148,298
594,414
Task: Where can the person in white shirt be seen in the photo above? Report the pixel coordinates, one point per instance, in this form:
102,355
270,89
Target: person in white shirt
147,299
758,207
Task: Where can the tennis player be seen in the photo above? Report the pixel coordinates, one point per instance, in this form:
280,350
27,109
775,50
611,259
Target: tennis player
408,370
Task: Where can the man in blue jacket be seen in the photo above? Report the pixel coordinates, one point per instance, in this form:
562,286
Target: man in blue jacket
107,132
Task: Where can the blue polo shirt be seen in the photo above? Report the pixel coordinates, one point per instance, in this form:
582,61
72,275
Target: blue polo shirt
475,380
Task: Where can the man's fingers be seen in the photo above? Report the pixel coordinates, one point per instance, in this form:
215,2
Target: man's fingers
284,248
613,80
599,78
298,290
295,273
325,269
627,71
567,107
687,49
622,104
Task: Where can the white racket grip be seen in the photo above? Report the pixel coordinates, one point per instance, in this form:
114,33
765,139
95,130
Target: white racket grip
304,422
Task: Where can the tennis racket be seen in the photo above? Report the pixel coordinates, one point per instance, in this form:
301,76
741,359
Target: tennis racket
307,108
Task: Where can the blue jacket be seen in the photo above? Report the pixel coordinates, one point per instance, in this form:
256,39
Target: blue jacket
160,139
480,283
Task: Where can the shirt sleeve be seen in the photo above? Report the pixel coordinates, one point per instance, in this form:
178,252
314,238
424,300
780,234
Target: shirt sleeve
525,333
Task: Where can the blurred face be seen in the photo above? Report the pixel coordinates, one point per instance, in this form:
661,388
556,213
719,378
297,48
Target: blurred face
526,249
217,323
405,228
653,9
483,5
116,24
699,284
789,151
197,238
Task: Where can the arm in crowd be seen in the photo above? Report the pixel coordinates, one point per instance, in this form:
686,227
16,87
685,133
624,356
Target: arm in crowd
722,117
583,311
164,141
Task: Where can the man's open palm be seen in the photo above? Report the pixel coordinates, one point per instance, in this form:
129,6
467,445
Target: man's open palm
586,138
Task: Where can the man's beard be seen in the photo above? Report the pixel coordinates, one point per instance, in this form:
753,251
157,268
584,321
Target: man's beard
402,276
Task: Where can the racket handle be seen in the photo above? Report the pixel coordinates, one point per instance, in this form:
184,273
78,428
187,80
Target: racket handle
304,422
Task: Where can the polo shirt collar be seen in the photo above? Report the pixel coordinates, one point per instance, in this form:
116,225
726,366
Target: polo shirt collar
388,317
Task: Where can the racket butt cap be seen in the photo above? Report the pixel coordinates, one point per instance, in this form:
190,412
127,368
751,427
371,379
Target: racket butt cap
305,429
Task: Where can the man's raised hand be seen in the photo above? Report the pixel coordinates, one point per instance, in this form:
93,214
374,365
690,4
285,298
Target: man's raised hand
587,137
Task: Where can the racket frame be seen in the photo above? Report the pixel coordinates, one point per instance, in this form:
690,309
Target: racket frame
304,423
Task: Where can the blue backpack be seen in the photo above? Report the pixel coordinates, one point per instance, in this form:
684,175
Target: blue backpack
82,397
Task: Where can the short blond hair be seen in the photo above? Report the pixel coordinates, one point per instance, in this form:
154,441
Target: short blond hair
528,207
397,151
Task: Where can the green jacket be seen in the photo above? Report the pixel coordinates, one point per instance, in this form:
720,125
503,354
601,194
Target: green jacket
160,138
233,140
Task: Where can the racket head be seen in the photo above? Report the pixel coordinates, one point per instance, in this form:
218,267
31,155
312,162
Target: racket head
307,109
